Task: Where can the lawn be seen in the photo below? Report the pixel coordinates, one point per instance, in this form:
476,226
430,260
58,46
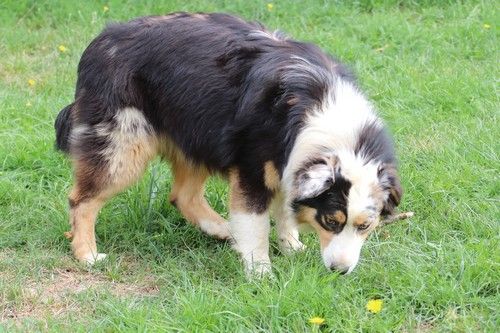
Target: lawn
431,69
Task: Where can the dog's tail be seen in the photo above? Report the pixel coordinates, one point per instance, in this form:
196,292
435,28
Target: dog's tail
63,125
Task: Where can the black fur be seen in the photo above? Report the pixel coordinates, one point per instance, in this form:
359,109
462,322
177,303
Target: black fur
63,126
222,90
375,144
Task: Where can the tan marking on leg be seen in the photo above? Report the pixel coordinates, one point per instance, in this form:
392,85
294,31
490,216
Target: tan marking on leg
82,218
271,176
188,196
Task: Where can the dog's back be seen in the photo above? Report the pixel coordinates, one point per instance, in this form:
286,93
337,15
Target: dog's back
198,79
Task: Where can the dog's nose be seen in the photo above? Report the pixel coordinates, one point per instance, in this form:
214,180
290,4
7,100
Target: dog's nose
340,270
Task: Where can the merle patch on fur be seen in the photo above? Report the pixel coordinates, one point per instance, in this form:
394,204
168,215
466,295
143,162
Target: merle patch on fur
374,143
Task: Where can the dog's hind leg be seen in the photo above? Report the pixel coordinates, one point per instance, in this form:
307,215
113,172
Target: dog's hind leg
188,196
84,208
107,159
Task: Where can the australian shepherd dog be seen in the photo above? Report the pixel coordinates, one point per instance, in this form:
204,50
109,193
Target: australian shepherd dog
281,120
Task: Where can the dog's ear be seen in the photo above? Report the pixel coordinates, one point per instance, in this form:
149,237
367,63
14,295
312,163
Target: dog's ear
314,178
389,179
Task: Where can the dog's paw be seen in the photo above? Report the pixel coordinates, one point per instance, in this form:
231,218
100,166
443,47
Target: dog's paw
258,270
215,229
92,258
291,245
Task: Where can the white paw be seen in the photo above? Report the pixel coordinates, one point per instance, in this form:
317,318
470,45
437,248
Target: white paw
215,229
258,269
92,258
291,245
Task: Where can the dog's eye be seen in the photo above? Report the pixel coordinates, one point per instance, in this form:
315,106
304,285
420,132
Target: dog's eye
331,221
363,226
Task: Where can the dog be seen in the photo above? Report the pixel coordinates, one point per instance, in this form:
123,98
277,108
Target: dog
282,120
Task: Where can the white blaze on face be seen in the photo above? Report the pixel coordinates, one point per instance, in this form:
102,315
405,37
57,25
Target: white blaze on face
342,253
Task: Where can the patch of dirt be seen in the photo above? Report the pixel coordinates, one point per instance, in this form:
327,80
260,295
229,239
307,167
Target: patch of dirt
56,294
421,327
425,327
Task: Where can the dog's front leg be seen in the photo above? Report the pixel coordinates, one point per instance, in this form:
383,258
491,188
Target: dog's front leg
249,226
288,233
250,234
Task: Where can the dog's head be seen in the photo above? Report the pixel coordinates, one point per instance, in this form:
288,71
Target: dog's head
344,199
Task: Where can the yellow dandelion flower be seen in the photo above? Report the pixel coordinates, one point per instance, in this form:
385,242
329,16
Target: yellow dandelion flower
31,82
62,48
374,305
105,9
316,321
486,26
270,6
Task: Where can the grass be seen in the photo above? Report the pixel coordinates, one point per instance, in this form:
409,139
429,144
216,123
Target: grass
431,68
